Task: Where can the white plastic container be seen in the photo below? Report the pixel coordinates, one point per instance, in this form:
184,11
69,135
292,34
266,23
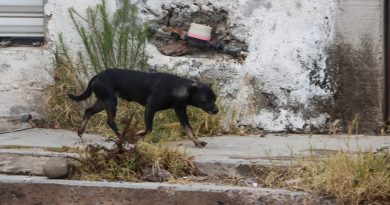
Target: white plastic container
200,32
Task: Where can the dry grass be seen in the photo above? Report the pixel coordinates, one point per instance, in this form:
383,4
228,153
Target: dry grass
126,164
359,178
351,178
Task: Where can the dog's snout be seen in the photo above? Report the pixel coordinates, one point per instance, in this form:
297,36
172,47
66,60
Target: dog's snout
215,110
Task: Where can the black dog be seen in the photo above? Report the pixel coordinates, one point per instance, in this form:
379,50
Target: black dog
155,91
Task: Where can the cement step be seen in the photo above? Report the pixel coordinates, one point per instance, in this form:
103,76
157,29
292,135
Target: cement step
29,161
15,190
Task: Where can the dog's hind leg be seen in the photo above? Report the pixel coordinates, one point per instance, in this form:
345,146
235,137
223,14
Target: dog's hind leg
97,107
111,104
181,113
150,111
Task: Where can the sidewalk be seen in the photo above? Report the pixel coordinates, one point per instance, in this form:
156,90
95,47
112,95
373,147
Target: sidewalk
25,153
225,155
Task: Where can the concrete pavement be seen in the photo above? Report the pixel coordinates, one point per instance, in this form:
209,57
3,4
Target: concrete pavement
22,152
223,156
39,190
47,138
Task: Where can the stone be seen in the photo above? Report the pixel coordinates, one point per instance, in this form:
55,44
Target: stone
56,168
207,8
155,174
194,8
25,118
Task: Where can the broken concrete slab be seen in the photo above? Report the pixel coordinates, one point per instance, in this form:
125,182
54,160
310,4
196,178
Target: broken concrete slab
38,137
22,152
39,190
7,126
235,155
28,161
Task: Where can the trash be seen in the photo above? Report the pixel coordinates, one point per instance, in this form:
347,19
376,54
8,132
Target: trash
179,48
198,36
250,182
200,32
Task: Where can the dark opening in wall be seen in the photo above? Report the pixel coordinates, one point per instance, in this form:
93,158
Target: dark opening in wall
21,41
178,20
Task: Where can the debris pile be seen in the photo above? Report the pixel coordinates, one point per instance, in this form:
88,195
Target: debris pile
191,29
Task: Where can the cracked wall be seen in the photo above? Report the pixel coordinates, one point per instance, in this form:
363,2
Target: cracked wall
25,71
289,80
286,66
310,62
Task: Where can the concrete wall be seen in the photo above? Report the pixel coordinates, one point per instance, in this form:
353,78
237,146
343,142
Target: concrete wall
23,74
309,62
275,87
357,62
25,71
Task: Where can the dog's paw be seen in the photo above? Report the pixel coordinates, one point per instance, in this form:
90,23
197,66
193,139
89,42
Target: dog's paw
80,133
200,144
203,143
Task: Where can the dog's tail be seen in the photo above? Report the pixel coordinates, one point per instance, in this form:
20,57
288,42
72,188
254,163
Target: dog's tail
85,94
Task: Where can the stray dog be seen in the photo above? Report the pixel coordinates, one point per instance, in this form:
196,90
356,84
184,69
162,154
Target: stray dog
155,91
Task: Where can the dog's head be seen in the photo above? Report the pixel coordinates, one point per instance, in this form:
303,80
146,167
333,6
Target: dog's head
203,97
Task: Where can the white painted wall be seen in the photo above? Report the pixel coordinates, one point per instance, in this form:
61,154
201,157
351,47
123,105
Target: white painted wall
25,71
284,38
281,35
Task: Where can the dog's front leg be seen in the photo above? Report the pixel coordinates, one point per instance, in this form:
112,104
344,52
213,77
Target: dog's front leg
183,118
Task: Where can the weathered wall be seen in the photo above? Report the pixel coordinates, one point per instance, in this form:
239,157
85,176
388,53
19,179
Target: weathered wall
309,61
24,71
283,78
357,62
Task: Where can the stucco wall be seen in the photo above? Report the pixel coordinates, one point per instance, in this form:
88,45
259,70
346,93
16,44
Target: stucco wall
25,71
310,62
294,77
280,82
